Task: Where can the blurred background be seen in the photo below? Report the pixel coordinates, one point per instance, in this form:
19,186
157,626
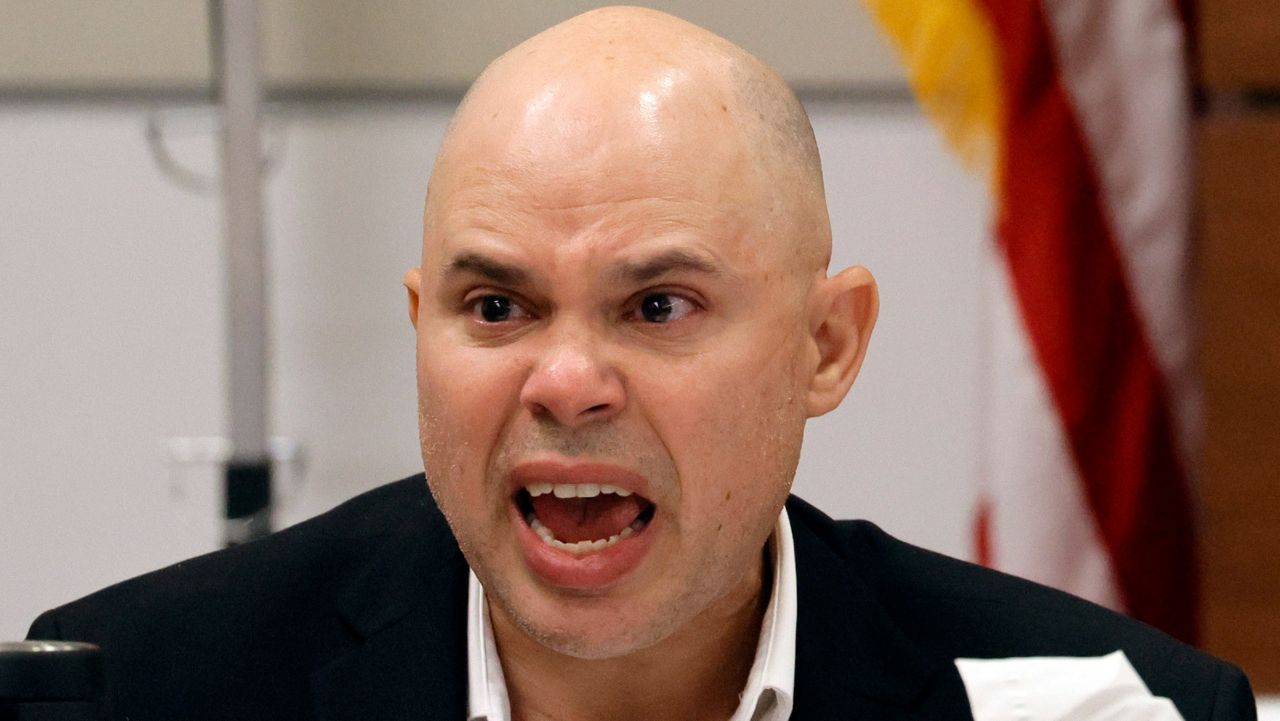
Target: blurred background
114,292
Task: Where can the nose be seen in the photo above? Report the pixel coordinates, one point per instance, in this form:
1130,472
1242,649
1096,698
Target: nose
572,385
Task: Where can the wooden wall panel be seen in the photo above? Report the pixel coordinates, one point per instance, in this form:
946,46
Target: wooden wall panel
1240,44
1240,303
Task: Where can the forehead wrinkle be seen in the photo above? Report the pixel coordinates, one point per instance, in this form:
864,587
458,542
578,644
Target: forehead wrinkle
587,205
524,212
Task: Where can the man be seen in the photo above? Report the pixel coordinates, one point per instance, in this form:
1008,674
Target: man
624,319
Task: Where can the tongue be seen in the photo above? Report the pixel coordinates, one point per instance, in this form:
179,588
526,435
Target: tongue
587,519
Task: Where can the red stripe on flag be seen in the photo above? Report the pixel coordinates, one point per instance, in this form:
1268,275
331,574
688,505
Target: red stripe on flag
1190,17
1080,317
982,533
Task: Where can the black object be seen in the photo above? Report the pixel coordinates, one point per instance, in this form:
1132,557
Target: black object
248,501
50,681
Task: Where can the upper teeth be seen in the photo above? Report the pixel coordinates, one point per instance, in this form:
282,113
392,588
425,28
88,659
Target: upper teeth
574,490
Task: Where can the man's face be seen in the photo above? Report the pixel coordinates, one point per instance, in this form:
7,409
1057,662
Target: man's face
605,300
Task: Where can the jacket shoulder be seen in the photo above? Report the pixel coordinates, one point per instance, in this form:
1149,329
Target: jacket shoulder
256,610
956,609
308,557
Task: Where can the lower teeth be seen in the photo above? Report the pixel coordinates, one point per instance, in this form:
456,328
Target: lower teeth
579,547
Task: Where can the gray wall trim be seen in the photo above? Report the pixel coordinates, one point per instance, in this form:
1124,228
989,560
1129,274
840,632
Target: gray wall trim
304,95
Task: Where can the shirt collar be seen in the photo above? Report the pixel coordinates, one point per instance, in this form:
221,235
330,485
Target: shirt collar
768,695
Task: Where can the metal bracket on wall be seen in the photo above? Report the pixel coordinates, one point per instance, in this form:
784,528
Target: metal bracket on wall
288,458
165,124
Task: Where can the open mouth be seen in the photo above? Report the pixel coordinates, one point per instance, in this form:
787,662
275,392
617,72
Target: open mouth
583,518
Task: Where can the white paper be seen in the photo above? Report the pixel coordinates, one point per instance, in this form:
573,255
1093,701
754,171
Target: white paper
1102,688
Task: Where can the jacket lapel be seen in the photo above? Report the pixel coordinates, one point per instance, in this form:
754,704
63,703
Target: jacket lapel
407,617
852,660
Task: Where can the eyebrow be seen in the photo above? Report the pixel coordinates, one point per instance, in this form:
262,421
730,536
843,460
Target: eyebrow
667,262
486,267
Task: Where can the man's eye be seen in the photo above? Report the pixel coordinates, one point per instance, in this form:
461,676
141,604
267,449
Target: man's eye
664,307
497,309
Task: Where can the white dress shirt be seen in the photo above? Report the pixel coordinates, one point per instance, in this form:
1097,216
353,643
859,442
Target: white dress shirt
770,684
1079,689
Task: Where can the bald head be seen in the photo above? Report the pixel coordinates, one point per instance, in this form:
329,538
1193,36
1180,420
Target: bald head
662,88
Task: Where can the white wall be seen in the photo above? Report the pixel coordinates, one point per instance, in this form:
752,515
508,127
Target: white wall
111,330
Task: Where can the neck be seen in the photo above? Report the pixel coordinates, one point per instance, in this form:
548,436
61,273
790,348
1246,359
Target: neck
698,672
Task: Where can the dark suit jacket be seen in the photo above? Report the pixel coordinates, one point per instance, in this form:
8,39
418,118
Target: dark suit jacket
360,614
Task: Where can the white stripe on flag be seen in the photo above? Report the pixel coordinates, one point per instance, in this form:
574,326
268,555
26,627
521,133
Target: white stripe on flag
1123,68
1040,527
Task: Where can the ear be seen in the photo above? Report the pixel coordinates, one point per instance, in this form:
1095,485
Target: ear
412,282
843,313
